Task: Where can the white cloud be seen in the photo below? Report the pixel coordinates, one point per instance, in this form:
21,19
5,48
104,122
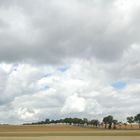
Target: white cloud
97,42
25,113
74,104
83,90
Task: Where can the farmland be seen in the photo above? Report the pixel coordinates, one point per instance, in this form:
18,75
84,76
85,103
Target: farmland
57,132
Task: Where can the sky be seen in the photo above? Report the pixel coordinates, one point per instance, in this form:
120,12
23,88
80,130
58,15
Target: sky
69,58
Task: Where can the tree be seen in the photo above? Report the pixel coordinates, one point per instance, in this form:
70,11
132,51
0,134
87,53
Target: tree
137,119
52,121
47,121
125,124
120,125
105,121
95,122
68,120
85,121
114,122
108,120
130,120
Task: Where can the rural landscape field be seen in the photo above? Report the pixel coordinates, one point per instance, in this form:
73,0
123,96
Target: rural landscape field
69,69
63,132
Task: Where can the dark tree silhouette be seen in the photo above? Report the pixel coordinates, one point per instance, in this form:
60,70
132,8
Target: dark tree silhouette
130,120
108,120
105,121
114,123
94,122
137,119
47,121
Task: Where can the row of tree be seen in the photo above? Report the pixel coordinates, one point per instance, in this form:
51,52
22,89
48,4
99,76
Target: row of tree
71,121
107,122
132,119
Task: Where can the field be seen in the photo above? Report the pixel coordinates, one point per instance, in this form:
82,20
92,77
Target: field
63,132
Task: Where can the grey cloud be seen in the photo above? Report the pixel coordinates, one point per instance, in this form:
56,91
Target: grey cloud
98,40
52,30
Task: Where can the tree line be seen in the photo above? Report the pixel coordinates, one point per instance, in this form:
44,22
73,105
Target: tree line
70,121
107,122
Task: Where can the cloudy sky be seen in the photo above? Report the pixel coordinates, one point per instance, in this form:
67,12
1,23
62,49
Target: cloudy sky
62,58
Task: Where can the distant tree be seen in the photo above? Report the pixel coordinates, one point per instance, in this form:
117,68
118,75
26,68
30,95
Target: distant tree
52,121
85,121
125,124
130,120
114,123
68,120
61,121
102,124
78,121
120,125
137,119
105,121
95,123
108,120
47,121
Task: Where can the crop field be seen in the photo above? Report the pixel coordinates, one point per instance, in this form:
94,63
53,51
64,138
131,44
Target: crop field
63,132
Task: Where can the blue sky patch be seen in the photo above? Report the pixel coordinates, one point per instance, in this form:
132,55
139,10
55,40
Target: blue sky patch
63,68
46,87
119,85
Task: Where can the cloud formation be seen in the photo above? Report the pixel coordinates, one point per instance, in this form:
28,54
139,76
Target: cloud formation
63,57
49,31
